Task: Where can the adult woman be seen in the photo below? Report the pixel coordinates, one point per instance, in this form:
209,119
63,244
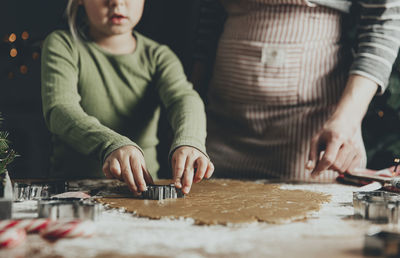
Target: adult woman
282,100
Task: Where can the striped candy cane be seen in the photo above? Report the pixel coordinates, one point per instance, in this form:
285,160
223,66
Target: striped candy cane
12,237
30,225
68,229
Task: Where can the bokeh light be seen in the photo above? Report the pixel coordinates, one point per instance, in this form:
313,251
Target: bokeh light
35,55
12,37
23,69
13,52
25,35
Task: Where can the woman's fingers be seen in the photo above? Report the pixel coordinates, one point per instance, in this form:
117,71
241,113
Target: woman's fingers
312,155
355,163
348,162
343,158
349,154
328,158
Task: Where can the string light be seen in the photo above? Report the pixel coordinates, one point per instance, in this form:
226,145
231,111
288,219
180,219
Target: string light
396,161
25,35
23,69
12,37
35,55
13,52
380,113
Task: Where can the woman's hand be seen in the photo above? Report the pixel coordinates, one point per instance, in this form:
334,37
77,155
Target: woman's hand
190,165
333,147
127,164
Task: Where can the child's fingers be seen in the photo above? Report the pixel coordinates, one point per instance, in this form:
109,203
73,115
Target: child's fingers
137,171
188,175
128,177
202,163
106,170
178,168
147,176
210,170
115,169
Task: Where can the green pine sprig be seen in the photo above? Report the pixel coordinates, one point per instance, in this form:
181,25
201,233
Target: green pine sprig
7,155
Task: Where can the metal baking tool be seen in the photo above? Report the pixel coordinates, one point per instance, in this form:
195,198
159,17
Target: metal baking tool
374,186
380,177
34,191
68,209
161,192
382,244
377,206
6,200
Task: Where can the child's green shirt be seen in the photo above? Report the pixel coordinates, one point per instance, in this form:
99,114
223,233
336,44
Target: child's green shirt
95,102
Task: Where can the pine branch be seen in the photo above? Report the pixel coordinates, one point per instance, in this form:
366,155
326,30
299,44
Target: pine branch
3,142
7,155
7,160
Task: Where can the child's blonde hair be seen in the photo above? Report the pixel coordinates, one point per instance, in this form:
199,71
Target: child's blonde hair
76,23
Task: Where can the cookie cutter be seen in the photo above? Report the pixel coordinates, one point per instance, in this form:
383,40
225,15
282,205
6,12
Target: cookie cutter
377,206
68,208
382,244
34,191
161,192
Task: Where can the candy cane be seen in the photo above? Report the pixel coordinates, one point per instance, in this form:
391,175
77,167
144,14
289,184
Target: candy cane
30,225
11,237
69,229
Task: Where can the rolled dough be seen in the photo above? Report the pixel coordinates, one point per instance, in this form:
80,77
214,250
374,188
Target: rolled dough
228,201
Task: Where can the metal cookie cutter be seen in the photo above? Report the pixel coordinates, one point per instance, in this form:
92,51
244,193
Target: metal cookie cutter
69,208
34,191
377,206
382,244
161,192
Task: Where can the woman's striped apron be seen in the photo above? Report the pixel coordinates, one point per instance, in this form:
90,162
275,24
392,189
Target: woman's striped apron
279,73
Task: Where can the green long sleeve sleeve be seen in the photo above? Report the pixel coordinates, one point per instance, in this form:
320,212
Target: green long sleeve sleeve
95,102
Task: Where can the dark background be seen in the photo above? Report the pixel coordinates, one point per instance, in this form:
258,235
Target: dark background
170,22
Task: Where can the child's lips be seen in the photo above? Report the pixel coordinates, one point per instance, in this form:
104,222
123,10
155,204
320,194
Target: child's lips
118,19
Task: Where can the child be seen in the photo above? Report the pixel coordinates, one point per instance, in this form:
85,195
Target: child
102,85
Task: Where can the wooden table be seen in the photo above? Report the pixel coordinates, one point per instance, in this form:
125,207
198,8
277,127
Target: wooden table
331,232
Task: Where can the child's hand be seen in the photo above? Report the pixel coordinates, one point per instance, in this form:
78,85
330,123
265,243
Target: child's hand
184,161
127,164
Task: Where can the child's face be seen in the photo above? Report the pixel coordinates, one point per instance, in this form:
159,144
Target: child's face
113,17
